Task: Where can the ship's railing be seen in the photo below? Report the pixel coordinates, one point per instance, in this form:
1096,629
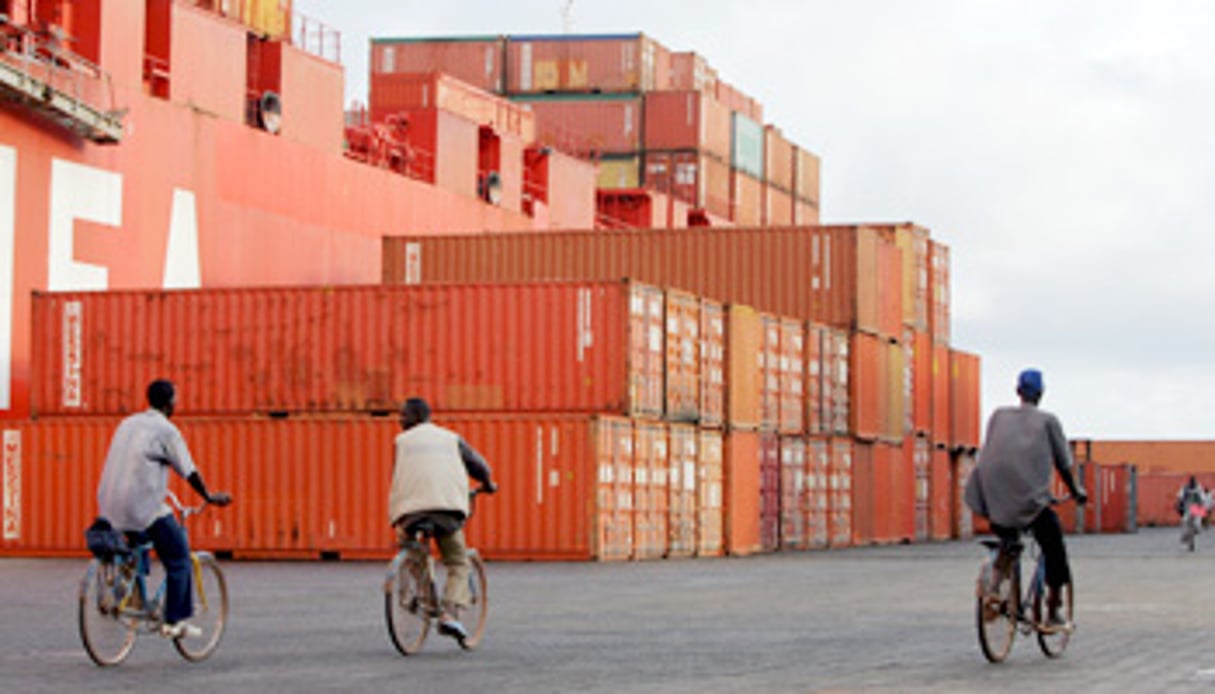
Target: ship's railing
316,37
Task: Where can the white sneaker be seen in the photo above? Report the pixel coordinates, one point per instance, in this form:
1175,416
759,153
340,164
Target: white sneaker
182,629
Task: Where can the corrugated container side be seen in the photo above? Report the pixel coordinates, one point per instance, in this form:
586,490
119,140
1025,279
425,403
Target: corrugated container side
697,179
479,61
806,177
922,379
819,492
712,496
744,369
591,64
682,356
690,71
777,207
939,292
890,289
778,159
650,490
913,243
630,208
837,381
584,124
942,410
746,199
964,398
805,214
712,363
770,491
867,391
816,381
688,120
892,404
941,487
325,349
792,376
1157,496
741,480
770,372
840,485
864,486
684,510
746,145
1157,456
393,93
794,494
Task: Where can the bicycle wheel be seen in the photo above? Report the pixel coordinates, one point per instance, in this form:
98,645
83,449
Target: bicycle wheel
407,605
473,616
995,616
209,592
108,638
1053,642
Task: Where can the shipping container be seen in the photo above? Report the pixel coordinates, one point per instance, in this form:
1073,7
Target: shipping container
393,93
354,348
941,486
795,495
819,493
746,199
825,274
791,377
587,124
964,398
684,508
920,360
586,63
806,178
712,499
777,207
840,485
778,159
683,316
805,213
741,491
837,403
770,372
770,491
876,388
1156,456
629,208
817,422
913,243
477,60
942,410
687,120
651,490
746,145
735,100
744,367
690,71
443,148
570,200
694,178
864,490
618,172
713,363
1156,496
939,292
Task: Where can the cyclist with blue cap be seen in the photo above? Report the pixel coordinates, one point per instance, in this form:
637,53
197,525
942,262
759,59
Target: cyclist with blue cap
1010,486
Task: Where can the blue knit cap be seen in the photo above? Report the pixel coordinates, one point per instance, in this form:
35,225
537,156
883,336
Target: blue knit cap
1030,383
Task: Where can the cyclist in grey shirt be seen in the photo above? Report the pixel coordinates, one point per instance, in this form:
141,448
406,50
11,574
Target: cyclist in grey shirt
1010,486
132,491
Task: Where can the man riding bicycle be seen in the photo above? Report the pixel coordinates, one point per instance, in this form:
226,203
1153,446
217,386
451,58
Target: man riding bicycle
430,483
1010,485
131,496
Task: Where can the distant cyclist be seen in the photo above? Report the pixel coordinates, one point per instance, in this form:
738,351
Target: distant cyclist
132,491
1011,483
1193,505
430,483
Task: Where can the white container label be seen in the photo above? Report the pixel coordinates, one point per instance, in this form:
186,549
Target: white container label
413,263
12,484
72,346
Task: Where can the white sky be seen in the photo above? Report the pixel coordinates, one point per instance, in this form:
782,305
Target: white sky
1064,149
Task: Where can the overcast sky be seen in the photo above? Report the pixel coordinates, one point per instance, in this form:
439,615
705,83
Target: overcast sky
1063,149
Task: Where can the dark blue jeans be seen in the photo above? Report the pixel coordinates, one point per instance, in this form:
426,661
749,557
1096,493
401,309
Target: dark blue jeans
1049,534
173,548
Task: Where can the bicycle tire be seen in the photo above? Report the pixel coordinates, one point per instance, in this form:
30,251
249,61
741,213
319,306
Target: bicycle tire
108,638
407,601
209,593
1053,643
474,616
995,616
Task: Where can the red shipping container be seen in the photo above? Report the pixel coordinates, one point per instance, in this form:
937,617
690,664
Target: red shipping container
794,494
697,179
864,490
941,487
770,492
588,63
818,492
477,60
964,398
746,199
890,301
840,486
777,207
837,403
876,388
444,149
815,381
632,208
919,455
682,356
684,509
778,158
690,71
941,409
939,292
712,498
1156,496
587,124
741,490
355,348
407,91
687,120
650,490
921,383
744,367
712,363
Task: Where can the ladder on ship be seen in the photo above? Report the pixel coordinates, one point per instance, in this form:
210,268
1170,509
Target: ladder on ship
37,74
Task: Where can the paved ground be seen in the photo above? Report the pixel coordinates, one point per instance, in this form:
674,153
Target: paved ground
872,619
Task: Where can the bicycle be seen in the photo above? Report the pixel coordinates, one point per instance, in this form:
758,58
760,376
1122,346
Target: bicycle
1191,523
114,604
1001,608
412,600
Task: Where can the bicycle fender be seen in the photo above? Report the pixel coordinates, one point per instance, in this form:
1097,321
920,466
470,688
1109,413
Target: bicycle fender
393,567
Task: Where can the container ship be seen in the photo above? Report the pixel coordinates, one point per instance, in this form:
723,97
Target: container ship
590,253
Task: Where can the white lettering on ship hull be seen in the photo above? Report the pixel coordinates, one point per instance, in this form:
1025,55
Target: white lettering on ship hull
182,269
79,192
8,280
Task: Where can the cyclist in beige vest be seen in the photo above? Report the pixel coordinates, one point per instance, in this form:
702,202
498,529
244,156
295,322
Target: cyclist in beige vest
430,482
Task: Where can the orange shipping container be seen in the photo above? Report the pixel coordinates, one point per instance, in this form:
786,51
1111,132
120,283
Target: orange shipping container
1157,456
913,243
864,484
355,348
840,485
795,496
1156,496
919,455
806,178
777,207
682,356
770,492
650,490
941,392
690,71
477,60
941,487
746,199
587,124
770,372
586,63
816,385
712,363
818,492
736,100
876,388
741,485
744,367
712,499
687,120
939,292
405,91
805,213
837,404
792,376
778,158
964,398
697,179
921,403
684,510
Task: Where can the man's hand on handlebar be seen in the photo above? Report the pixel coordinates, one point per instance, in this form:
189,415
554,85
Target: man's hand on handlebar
1080,495
219,499
489,487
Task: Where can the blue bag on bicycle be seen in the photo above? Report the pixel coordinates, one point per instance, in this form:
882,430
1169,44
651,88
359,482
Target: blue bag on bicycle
104,541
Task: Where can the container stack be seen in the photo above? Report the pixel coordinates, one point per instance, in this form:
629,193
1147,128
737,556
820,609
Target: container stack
676,144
